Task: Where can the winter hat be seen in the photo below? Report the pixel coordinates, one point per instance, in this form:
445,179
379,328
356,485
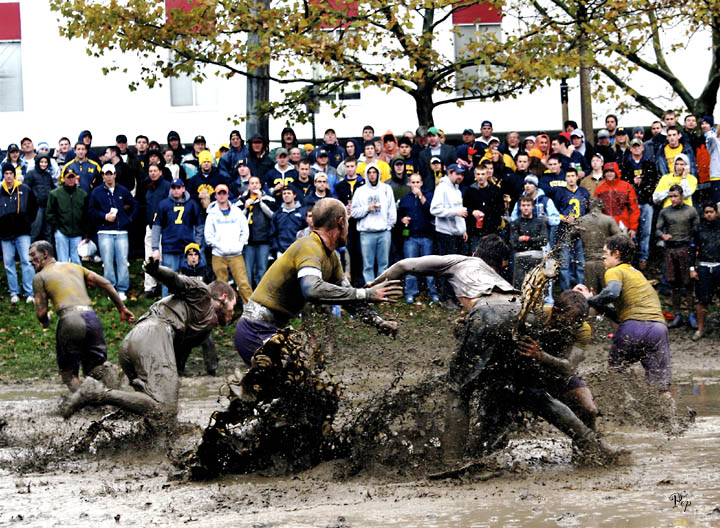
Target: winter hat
205,156
709,120
530,178
8,167
43,145
192,247
682,157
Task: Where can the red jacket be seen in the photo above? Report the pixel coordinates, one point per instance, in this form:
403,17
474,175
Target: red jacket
620,202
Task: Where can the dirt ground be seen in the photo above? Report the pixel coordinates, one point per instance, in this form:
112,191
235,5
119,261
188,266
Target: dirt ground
127,476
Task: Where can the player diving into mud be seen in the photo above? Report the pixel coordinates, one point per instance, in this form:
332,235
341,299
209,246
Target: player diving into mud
147,355
79,336
510,373
310,271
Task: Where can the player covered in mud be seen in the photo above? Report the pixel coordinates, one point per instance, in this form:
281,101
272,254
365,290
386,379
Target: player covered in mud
147,355
310,271
79,336
630,300
510,374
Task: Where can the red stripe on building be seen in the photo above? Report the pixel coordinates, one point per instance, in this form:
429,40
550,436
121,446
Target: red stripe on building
477,14
10,21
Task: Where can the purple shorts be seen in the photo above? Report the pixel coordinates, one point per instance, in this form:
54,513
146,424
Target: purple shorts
79,340
250,335
647,342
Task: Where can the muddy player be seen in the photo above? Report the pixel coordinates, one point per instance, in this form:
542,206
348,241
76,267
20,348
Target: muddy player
629,299
531,379
310,271
594,228
79,337
147,355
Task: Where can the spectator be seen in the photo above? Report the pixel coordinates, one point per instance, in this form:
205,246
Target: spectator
445,153
642,174
288,141
174,143
554,177
67,217
282,174
176,171
227,166
142,145
345,191
18,209
177,223
87,170
418,229
156,190
582,147
512,185
706,264
304,186
28,153
611,123
370,157
528,238
680,176
712,144
450,225
621,147
258,208
320,183
85,137
227,233
373,206
593,180
123,175
572,202
390,147
672,150
486,132
40,182
604,147
201,188
322,164
112,209
260,162
485,206
286,222
399,180
675,226
352,150
190,162
544,206
619,199
238,186
131,161
335,152
44,149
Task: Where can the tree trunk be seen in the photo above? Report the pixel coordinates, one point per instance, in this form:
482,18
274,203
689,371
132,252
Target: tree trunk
424,107
258,91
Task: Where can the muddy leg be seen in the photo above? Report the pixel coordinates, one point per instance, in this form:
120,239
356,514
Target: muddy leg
456,427
581,402
71,379
210,356
107,374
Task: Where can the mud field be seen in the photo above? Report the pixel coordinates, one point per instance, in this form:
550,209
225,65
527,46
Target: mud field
128,475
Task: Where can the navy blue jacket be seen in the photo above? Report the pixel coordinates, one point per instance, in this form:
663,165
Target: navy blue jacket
419,213
228,164
155,192
206,182
285,225
102,200
575,203
178,221
18,208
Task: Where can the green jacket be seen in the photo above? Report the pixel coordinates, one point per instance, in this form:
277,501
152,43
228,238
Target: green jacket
67,211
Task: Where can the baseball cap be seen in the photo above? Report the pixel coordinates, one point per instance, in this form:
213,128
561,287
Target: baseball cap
486,122
456,168
199,139
493,138
121,138
435,159
433,131
635,142
108,167
281,152
603,134
321,152
12,146
622,131
468,131
577,133
241,161
177,182
235,133
221,187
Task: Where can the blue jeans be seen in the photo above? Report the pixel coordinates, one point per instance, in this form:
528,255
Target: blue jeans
417,246
114,254
375,247
572,265
172,261
256,261
644,231
66,248
22,245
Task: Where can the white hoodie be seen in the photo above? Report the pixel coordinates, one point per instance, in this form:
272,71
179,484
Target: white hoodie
226,234
445,204
382,219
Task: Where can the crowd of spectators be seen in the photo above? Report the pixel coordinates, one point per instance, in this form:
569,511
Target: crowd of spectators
408,195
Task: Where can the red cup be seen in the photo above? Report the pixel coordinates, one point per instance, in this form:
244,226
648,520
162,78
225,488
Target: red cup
479,221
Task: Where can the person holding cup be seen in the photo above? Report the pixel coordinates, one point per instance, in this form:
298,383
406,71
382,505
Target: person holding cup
485,205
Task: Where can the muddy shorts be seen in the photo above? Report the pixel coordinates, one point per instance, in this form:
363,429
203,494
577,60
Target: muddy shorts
249,335
147,357
576,382
647,342
708,284
79,340
677,265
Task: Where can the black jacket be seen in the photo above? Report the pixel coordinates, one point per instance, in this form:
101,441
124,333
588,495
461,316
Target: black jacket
447,156
18,209
706,236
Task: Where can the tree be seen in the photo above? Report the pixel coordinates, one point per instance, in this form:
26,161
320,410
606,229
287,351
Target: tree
327,45
618,38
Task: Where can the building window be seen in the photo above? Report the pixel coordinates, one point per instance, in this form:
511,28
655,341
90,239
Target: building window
186,92
468,78
11,88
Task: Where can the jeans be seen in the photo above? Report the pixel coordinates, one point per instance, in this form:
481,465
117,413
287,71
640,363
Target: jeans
644,231
40,230
572,264
448,245
114,253
172,261
375,247
418,246
66,248
256,261
22,245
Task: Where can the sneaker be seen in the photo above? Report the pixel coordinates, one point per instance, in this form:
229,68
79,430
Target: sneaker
14,299
30,299
123,296
676,322
434,299
697,335
410,299
693,321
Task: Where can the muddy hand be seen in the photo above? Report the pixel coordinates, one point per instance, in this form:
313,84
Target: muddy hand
528,347
385,291
127,315
583,290
151,265
389,328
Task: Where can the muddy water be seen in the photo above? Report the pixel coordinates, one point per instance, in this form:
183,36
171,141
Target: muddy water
670,481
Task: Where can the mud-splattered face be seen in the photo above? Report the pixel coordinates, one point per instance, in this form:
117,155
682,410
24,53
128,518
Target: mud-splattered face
37,259
225,311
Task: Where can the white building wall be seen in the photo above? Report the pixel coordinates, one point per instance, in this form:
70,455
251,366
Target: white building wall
65,92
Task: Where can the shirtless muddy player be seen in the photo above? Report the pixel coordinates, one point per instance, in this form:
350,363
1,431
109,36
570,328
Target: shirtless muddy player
513,375
79,337
147,355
